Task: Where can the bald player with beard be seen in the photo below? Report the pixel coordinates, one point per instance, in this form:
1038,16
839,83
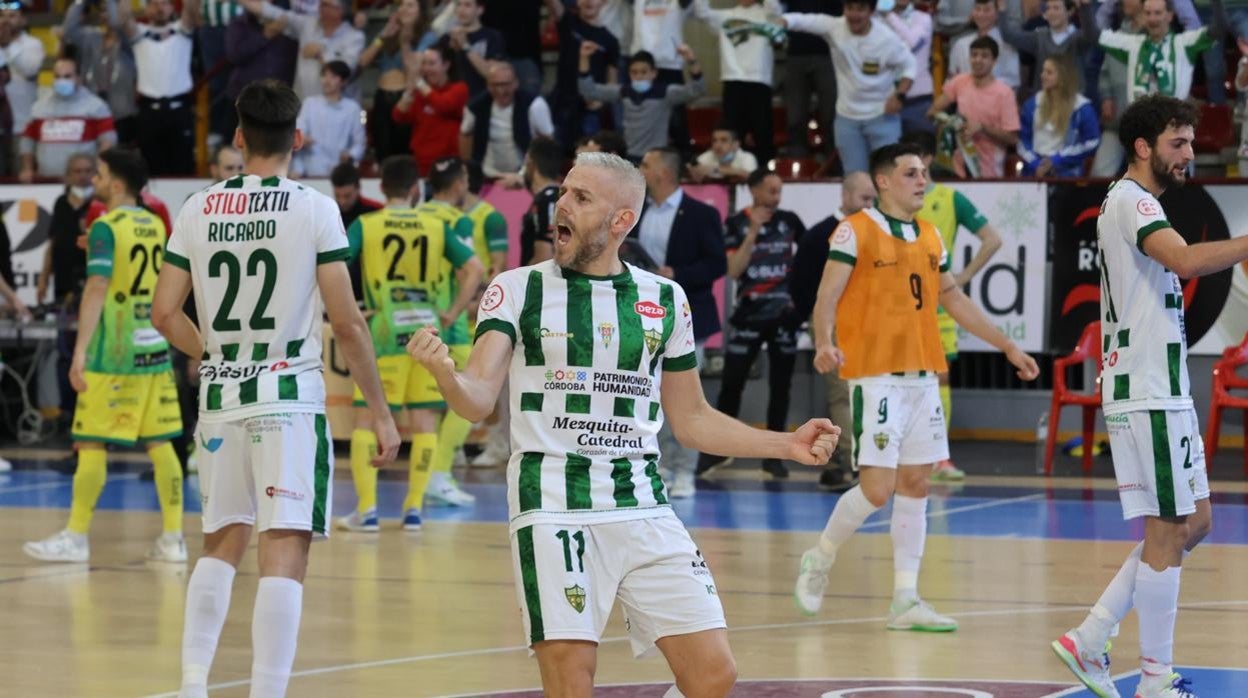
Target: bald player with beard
597,352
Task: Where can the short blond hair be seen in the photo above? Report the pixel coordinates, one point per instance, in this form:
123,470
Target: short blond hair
632,184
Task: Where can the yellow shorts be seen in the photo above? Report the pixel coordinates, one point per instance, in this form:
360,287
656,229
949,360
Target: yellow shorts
948,333
127,409
408,385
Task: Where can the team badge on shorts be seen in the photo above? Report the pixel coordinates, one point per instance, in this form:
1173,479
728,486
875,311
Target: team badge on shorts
881,440
576,597
606,330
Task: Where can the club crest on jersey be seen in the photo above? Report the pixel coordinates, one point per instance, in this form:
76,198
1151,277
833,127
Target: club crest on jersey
934,261
881,440
606,330
653,339
576,597
650,309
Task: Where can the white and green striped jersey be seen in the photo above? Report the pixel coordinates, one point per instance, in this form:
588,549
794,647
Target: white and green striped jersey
1144,341
588,359
252,247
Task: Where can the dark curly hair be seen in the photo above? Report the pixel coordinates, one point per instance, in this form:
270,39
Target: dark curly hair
1148,117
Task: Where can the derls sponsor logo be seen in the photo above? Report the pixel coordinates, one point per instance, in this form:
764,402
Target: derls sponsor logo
650,309
212,372
272,492
608,432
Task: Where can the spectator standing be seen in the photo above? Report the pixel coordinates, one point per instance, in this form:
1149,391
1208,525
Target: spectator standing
257,50
67,121
473,44
648,102
725,161
857,193
162,55
330,122
576,116
1114,88
406,32
874,71
658,30
345,180
214,19
808,71
1059,130
107,61
23,55
323,38
541,177
64,264
914,26
1159,60
984,16
1058,37
761,242
520,23
499,125
989,111
434,107
679,238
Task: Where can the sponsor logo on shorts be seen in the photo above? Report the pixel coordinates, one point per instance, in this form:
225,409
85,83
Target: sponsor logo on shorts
576,597
284,493
211,445
650,309
1132,487
710,590
881,440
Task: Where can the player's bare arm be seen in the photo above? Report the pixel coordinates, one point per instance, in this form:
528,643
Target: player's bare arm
699,426
172,288
356,343
973,320
473,392
89,309
1189,261
831,287
989,243
469,278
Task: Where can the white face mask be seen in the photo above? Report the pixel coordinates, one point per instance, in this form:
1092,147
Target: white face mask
82,192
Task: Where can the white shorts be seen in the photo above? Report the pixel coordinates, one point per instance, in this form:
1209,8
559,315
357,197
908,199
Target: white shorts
1159,459
897,423
273,472
569,576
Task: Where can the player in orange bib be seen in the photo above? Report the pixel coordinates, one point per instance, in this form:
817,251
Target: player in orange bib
885,275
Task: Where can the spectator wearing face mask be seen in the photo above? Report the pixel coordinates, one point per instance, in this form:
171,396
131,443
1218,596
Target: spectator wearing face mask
64,264
67,121
726,161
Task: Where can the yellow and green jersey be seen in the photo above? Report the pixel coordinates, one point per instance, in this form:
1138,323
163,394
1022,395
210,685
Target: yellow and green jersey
126,247
489,230
406,264
948,210
443,216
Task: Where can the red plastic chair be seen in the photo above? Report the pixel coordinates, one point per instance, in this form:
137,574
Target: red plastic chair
1226,379
1217,129
702,122
796,169
1088,349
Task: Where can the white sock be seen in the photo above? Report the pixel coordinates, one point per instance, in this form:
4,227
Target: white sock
274,634
851,510
207,603
1113,605
909,533
673,692
1157,603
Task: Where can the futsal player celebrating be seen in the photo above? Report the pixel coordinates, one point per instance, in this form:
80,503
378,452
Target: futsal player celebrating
1159,457
886,272
598,353
264,254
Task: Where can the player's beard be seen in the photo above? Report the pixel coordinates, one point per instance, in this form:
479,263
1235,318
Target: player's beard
590,247
1162,172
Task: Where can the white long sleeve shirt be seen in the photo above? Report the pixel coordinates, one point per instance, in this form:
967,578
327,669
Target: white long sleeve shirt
658,27
744,55
915,28
24,57
868,67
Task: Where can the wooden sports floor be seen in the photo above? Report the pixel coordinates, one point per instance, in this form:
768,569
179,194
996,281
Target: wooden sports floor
1016,560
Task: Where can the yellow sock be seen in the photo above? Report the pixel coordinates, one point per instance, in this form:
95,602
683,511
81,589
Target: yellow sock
88,483
946,402
363,448
168,476
423,448
452,433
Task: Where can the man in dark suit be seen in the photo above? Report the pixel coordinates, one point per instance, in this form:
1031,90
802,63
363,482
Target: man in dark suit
682,239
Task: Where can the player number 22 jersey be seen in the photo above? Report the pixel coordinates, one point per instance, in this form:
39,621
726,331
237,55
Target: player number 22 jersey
588,359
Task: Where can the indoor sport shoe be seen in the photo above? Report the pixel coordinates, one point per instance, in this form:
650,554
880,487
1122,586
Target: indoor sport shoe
60,547
448,493
708,464
1091,668
812,581
775,470
169,547
1174,686
411,520
683,486
921,617
358,523
946,471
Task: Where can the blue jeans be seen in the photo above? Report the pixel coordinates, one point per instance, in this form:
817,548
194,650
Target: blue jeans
914,115
856,138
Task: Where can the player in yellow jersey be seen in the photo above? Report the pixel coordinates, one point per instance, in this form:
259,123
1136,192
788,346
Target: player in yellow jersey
885,274
408,261
950,211
121,368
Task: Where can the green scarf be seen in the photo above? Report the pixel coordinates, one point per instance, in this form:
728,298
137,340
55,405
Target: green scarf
1154,65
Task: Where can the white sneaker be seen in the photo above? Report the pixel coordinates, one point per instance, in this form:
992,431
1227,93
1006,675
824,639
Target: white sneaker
358,523
494,455
683,486
1173,686
169,547
60,547
1091,668
448,493
812,581
5,465
921,617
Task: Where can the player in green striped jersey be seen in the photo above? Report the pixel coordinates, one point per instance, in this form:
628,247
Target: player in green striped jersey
597,352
